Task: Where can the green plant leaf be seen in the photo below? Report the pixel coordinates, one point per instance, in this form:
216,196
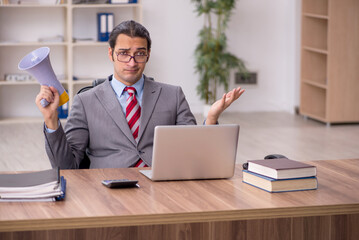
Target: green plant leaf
213,62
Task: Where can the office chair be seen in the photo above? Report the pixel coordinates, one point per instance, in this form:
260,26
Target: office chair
85,163
94,84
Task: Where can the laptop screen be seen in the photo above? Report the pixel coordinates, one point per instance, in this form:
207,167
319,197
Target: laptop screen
194,152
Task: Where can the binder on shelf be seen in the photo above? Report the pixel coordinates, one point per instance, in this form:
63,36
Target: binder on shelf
63,111
118,1
102,27
110,21
105,25
122,1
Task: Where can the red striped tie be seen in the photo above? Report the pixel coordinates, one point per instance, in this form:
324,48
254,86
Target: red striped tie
133,113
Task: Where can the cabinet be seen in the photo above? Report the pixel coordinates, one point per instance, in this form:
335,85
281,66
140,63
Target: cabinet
330,60
76,63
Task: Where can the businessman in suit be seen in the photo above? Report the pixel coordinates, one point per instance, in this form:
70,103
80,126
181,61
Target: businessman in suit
97,125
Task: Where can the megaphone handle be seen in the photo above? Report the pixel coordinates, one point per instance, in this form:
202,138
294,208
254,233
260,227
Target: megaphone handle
44,102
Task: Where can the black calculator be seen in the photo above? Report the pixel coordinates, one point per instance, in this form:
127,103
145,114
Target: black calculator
120,183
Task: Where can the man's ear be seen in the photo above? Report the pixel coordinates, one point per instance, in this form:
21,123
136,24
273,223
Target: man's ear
148,54
110,54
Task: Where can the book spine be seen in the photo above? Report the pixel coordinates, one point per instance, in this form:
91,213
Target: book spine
63,190
294,190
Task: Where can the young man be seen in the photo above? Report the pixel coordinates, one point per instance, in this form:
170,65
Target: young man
99,122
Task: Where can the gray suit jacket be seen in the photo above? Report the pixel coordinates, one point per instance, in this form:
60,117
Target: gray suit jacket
96,126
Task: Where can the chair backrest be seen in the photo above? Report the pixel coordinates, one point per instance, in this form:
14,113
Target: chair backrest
94,84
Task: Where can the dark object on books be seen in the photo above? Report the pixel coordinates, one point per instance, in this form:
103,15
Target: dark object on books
279,185
44,185
245,166
272,156
281,168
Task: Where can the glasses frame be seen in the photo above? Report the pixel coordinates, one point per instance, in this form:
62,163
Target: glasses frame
132,57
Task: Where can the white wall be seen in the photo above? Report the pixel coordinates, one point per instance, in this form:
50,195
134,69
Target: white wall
265,34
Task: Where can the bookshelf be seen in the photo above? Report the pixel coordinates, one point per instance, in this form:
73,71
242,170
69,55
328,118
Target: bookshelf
76,63
330,60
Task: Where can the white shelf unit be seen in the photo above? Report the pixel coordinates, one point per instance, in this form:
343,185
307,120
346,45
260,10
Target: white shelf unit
21,27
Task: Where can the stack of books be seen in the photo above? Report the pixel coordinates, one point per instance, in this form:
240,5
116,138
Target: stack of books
45,185
280,175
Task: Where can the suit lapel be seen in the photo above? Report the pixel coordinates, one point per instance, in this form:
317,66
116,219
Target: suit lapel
151,93
107,98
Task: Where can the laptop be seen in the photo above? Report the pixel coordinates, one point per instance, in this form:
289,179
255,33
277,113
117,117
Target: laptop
186,152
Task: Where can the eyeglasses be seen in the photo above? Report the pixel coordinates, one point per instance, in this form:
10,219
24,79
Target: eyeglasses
138,57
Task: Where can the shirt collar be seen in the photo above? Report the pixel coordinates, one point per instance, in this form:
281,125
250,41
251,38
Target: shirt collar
119,86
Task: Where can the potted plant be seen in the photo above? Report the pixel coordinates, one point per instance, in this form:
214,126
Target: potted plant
213,61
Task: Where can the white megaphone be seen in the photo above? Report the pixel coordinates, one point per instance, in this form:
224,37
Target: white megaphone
37,63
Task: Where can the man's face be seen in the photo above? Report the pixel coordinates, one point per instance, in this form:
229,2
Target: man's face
128,73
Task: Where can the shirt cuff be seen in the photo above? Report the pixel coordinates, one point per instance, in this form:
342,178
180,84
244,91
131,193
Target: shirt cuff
204,122
48,130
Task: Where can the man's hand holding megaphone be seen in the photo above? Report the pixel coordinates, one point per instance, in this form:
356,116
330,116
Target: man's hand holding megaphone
50,111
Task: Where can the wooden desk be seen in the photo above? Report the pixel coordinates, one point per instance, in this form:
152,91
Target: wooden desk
207,209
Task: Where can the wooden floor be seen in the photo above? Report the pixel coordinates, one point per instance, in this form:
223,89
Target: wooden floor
22,144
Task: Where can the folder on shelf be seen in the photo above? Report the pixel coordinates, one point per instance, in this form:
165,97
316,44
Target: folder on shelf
110,22
119,1
63,110
102,27
122,1
105,23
